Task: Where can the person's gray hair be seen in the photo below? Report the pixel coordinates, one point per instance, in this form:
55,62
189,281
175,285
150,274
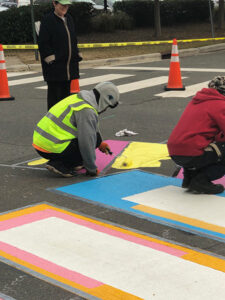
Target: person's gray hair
218,83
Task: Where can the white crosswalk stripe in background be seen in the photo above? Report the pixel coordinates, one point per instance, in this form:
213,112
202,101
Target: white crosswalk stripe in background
189,91
133,84
97,79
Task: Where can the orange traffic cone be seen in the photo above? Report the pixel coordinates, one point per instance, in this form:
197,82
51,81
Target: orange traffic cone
175,81
74,86
4,88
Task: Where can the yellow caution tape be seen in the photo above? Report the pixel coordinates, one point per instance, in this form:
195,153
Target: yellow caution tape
122,44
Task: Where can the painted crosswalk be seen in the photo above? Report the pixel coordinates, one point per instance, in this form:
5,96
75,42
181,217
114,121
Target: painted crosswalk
98,260
97,79
133,85
190,91
161,69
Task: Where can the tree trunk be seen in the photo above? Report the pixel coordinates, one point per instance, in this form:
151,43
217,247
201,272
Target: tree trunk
221,15
157,21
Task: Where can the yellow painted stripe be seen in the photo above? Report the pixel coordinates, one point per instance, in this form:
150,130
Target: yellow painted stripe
119,44
25,211
37,162
179,218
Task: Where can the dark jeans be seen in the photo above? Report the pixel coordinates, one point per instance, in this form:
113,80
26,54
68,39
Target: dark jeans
71,156
57,91
209,163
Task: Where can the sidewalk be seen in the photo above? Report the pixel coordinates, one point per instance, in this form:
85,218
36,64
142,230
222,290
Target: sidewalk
14,64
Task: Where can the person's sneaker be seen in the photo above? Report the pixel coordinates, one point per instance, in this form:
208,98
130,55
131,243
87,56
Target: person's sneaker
188,175
78,168
58,167
200,184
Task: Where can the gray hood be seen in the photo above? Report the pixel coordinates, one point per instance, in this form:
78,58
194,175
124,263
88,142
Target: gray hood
89,97
109,95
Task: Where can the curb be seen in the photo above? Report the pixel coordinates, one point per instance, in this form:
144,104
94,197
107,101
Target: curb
124,60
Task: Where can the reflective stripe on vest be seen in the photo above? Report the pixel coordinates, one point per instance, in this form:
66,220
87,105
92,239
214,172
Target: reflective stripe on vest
57,128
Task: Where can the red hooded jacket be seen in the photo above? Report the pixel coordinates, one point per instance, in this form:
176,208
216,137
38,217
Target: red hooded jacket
202,122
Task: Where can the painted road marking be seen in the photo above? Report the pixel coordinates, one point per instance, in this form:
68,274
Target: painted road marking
189,91
5,297
92,257
97,79
164,201
142,155
141,84
14,74
161,69
25,80
139,154
102,160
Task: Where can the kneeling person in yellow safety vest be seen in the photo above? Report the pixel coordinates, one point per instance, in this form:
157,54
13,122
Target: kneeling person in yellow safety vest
69,134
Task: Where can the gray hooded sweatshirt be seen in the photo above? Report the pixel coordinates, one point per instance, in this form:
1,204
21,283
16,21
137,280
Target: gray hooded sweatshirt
87,121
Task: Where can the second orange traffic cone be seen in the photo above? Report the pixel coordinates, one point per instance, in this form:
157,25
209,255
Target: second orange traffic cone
4,88
174,81
74,86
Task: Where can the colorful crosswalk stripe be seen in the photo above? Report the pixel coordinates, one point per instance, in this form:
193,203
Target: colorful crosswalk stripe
91,257
158,198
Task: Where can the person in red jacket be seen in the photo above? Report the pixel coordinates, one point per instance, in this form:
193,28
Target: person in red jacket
197,143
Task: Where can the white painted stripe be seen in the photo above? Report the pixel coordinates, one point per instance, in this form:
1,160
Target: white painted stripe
14,74
137,85
2,66
189,91
130,267
173,199
174,59
97,79
2,55
174,49
25,80
161,69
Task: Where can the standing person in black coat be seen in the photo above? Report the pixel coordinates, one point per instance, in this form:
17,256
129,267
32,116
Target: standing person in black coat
58,50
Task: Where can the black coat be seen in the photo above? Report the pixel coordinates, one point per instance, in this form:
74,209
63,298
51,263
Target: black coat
54,39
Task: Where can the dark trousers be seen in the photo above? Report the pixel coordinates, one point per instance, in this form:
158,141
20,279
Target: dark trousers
71,156
209,163
57,91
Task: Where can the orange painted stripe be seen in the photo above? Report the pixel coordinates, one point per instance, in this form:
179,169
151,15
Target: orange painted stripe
180,218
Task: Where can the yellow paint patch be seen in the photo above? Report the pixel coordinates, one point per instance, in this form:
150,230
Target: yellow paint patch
37,162
142,155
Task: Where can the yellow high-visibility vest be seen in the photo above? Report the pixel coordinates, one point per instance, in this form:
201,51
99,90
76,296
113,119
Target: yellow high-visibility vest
55,130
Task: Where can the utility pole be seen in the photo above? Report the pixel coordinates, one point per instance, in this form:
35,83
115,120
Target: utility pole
105,6
211,19
33,27
221,14
157,21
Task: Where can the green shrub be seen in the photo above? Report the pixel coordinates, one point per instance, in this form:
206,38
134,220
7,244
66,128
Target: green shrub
123,21
171,11
103,23
106,22
183,11
141,11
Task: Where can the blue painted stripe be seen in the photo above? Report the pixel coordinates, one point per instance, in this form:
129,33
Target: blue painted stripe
110,191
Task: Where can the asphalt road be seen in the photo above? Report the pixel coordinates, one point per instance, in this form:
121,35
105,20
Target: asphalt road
142,111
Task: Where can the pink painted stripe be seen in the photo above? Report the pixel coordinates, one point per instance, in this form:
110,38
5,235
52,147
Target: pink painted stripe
50,267
103,160
25,219
53,213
